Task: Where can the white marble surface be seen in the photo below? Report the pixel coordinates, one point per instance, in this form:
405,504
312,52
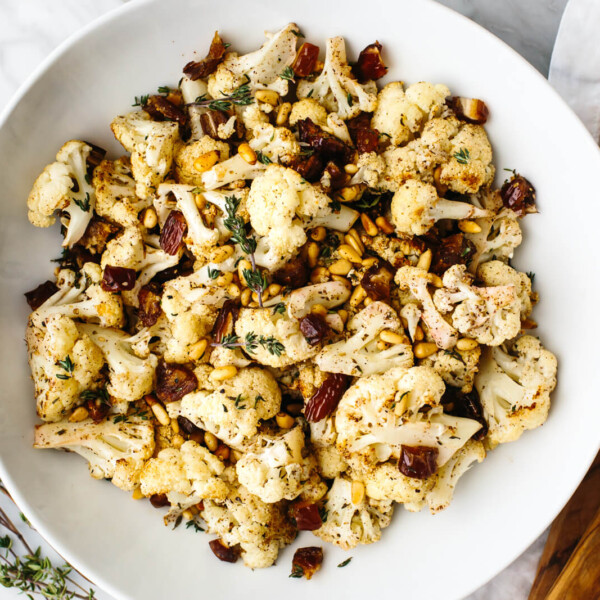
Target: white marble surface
30,29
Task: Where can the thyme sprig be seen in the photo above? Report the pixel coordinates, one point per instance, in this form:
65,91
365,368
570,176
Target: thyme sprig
241,96
251,342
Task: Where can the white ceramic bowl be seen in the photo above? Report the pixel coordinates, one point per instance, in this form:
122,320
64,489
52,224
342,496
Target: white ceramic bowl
501,505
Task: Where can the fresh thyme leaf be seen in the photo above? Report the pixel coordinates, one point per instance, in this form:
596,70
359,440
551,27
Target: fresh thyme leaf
213,273
531,275
237,226
279,308
454,354
226,45
239,402
462,156
100,394
194,525
335,205
256,280
230,340
297,572
88,179
241,96
142,100
298,34
62,376
323,513
309,95
367,201
84,204
121,419
200,98
164,89
197,190
465,252
258,399
344,563
263,158
349,99
250,342
272,345
288,74
66,364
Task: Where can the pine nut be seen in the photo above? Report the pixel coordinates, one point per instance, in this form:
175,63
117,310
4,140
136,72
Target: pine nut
79,414
348,194
212,443
267,96
441,188
358,295
368,301
436,280
223,373
357,492
384,225
283,113
137,494
341,267
161,414
222,253
318,309
343,280
381,345
354,243
318,234
247,153
349,253
469,227
175,425
200,201
419,335
424,349
466,344
274,289
150,399
177,440
234,290
284,420
149,218
222,452
197,437
425,260
351,168
246,297
369,262
235,455
391,337
265,295
197,350
313,254
206,161
401,406
319,275
368,225
224,280
243,265
188,514
528,324
343,314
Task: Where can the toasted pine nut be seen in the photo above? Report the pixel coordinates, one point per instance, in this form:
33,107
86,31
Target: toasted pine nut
224,280
283,113
150,399
466,344
349,253
274,289
402,405
369,262
348,194
284,420
353,243
175,425
222,253
137,494
368,225
418,333
206,161
198,349
469,227
319,275
267,96
343,314
243,265
441,188
234,290
197,437
223,373
235,455
528,324
436,280
404,322
358,295
222,452
247,153
384,225
381,345
318,309
264,295
200,201
406,248
246,297
313,254
149,218
368,301
318,234
341,267
343,280
79,414
188,514
424,349
351,168
391,337
425,260
357,492
177,440
161,414
212,443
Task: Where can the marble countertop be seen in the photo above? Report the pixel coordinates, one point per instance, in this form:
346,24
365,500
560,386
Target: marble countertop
30,29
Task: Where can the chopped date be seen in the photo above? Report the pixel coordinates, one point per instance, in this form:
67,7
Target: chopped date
325,400
307,516
173,232
184,268
202,68
377,281
306,60
117,279
314,328
162,109
74,258
222,552
452,250
470,110
174,381
293,274
187,426
149,299
210,122
310,167
418,462
159,500
326,144
225,320
337,176
97,233
97,408
459,404
95,157
367,140
307,561
36,297
519,195
370,65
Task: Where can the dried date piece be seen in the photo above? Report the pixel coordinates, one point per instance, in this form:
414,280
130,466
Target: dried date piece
95,157
377,281
325,400
326,144
309,167
293,274
338,178
470,110
370,65
97,408
306,60
184,268
224,553
174,381
365,138
519,195
97,233
187,426
162,109
452,250
314,328
159,500
210,122
36,297
117,279
418,462
467,405
307,516
225,321
173,232
203,68
149,299
307,561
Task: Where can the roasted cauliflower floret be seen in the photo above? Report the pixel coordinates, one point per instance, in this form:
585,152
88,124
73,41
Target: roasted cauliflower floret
497,273
456,368
349,524
308,108
514,388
